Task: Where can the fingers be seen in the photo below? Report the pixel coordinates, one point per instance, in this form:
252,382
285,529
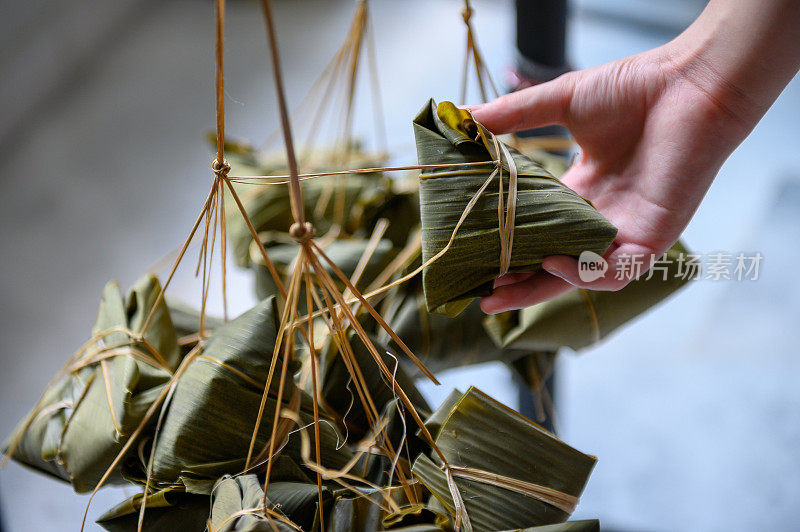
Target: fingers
536,106
535,289
561,274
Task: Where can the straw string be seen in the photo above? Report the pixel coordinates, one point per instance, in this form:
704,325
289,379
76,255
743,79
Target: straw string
593,321
558,499
473,52
302,232
295,192
284,179
506,225
466,13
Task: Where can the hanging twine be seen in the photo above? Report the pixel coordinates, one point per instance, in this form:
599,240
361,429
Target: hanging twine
295,191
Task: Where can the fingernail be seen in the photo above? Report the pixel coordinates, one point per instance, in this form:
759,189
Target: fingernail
488,306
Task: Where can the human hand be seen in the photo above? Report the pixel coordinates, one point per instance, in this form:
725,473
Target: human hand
653,132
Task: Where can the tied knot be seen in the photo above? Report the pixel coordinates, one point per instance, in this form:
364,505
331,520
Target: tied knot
302,233
466,14
221,168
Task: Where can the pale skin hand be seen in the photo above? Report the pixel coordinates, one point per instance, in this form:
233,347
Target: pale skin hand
653,130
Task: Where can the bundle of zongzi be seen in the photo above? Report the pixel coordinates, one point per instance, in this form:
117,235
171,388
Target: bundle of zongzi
550,219
85,417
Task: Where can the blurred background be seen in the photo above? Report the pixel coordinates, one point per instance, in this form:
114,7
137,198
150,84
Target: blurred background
693,410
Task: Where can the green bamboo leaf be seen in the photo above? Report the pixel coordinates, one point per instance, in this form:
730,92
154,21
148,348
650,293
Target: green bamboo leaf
420,528
532,370
441,342
588,525
232,499
551,219
340,393
434,422
361,196
186,318
297,500
355,514
417,517
166,511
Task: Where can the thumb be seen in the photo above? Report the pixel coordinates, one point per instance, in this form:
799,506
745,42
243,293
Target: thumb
536,106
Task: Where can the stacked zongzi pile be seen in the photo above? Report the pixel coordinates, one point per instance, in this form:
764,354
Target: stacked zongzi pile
209,421
377,470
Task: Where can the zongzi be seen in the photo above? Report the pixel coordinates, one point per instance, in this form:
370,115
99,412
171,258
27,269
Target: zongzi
510,473
85,417
549,218
166,510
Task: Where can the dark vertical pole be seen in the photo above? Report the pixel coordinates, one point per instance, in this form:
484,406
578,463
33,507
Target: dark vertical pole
541,32
526,401
541,45
541,49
